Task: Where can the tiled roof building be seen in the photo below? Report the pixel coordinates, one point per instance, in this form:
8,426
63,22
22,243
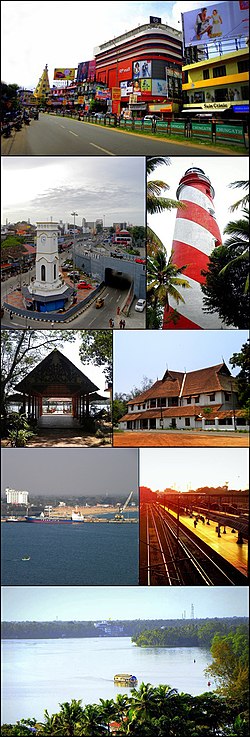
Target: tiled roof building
201,399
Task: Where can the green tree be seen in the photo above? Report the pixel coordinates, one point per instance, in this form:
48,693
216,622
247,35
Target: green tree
155,188
70,717
119,407
96,347
91,722
227,276
107,711
242,359
243,202
163,278
230,666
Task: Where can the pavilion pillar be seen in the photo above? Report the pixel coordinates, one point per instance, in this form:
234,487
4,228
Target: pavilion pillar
24,404
87,405
83,405
29,405
32,407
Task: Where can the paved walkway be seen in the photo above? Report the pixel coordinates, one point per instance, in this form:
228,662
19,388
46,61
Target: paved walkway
225,545
58,422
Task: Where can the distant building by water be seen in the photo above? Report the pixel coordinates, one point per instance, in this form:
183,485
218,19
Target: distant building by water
16,497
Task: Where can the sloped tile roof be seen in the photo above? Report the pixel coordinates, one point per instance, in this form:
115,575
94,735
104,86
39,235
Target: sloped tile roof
207,380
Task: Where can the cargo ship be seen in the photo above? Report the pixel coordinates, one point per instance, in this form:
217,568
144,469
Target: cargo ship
75,517
125,679
48,520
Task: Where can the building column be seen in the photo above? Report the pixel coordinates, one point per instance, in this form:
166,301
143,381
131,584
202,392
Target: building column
216,422
203,423
32,407
87,405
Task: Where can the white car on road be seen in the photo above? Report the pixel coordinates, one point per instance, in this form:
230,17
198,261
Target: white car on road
140,305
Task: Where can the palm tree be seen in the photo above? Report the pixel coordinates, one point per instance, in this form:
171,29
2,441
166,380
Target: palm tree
243,202
155,201
52,725
107,711
70,717
163,278
238,242
143,701
91,722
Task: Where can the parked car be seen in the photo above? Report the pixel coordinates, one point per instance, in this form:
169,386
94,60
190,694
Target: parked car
114,254
140,305
83,285
140,260
151,117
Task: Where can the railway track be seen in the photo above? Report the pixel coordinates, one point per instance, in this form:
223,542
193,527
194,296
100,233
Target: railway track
171,555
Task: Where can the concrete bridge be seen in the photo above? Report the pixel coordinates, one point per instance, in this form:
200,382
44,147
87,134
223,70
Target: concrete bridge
108,269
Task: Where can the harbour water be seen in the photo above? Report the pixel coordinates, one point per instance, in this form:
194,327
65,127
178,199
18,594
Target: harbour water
97,554
41,674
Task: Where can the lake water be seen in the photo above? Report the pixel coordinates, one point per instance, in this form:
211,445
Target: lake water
40,674
87,554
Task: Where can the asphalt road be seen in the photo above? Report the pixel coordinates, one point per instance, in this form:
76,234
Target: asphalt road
91,318
54,135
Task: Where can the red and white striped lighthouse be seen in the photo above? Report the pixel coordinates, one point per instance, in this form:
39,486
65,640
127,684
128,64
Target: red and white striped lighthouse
195,236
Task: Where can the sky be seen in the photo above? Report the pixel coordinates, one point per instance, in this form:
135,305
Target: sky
54,471
42,603
220,171
37,187
94,373
39,33
187,468
139,353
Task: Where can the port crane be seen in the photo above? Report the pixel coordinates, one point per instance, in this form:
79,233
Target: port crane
122,507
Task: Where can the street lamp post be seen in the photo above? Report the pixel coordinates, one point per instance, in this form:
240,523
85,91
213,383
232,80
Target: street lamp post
75,214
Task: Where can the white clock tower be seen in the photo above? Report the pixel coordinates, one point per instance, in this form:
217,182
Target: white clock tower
49,292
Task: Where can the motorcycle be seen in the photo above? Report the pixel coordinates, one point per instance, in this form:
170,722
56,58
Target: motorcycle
26,120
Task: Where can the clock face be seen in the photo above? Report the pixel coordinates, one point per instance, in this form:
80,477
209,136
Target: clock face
43,238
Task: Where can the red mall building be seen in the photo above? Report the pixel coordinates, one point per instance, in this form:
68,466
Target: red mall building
142,68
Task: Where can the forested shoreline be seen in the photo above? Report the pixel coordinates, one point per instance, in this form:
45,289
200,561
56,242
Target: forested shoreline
143,632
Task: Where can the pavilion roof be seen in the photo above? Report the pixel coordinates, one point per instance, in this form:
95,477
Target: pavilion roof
56,373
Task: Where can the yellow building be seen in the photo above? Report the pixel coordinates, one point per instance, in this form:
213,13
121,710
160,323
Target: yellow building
218,83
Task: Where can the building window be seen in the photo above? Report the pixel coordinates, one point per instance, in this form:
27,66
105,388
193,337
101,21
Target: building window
212,397
227,396
54,271
242,66
209,422
219,71
161,402
185,77
188,400
139,406
205,73
187,421
241,421
197,399
43,273
244,92
152,402
173,402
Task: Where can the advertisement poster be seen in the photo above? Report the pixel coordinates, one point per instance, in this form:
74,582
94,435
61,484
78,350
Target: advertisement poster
159,87
146,85
64,74
219,21
82,71
142,69
126,88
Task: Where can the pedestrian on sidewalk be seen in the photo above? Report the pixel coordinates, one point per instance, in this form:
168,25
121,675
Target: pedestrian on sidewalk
123,324
120,324
118,310
11,315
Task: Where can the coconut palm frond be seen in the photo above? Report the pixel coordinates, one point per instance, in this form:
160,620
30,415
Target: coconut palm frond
153,161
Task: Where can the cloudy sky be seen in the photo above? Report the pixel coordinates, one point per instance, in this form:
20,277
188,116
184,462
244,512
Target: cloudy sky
139,353
221,172
183,468
75,471
42,603
40,186
54,33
